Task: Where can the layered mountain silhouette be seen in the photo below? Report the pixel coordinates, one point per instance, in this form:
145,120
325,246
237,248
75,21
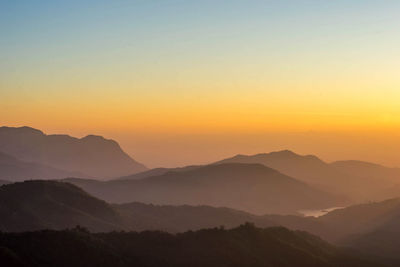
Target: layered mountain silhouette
345,178
40,204
92,155
373,228
242,246
249,187
12,169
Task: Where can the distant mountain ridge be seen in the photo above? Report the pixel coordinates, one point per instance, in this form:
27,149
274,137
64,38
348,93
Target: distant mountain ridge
93,156
157,172
306,167
339,177
250,187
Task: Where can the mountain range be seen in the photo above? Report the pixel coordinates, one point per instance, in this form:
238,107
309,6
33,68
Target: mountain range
91,182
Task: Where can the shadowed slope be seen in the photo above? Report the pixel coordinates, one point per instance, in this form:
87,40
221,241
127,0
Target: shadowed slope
157,172
33,205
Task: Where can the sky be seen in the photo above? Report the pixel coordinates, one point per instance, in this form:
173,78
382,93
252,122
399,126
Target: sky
189,82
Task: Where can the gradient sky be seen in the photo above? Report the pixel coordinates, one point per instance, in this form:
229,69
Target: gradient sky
184,82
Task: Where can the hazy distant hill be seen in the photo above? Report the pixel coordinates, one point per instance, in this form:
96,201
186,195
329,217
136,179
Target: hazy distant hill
242,246
249,187
156,172
91,155
368,169
12,169
331,177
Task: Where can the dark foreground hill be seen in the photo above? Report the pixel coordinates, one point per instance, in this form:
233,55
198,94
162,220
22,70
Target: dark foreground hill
242,246
92,155
249,187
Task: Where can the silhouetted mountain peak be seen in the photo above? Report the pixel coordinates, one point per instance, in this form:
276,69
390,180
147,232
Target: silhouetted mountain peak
288,154
282,154
281,157
92,155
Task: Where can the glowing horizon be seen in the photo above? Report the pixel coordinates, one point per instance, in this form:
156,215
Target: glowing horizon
166,77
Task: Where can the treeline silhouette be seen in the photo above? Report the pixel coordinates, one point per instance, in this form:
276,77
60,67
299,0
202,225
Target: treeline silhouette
245,245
